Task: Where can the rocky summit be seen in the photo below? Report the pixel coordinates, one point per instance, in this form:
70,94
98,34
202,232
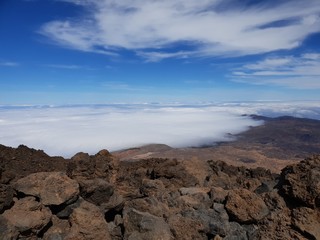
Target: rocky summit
100,197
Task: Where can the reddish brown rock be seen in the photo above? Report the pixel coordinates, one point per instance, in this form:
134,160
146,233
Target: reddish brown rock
53,188
301,182
102,165
7,230
218,194
59,229
307,221
28,216
245,207
88,223
186,228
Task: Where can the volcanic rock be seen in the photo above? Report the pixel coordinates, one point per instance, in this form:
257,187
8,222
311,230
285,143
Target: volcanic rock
27,217
59,229
53,188
143,225
245,206
6,196
88,223
103,198
96,191
307,221
301,183
103,165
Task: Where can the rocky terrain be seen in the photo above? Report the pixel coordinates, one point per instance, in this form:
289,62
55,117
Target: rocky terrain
101,197
275,144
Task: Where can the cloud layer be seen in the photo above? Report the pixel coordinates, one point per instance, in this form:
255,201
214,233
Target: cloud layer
66,130
201,28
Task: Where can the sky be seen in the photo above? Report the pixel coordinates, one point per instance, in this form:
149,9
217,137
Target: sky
82,75
138,51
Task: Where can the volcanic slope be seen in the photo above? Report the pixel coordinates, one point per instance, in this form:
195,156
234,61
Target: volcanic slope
275,144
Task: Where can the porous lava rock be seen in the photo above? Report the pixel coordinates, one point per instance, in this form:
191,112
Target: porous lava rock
27,217
245,206
87,223
53,188
99,197
301,182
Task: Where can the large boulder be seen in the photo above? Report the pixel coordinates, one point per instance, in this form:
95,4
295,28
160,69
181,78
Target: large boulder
27,216
245,207
145,226
102,165
7,231
96,191
307,221
59,229
88,223
300,183
215,222
185,228
53,188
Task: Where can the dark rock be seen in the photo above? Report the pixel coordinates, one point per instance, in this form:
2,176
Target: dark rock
6,197
96,191
64,211
214,222
143,225
22,161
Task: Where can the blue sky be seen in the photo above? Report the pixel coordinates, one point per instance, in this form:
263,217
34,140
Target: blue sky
105,51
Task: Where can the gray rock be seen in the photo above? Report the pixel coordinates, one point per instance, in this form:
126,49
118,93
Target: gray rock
6,196
143,225
215,222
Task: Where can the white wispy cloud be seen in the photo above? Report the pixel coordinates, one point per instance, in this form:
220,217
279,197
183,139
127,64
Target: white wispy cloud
116,85
66,130
9,64
301,72
65,66
206,28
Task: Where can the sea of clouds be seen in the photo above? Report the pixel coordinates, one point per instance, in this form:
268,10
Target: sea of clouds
66,130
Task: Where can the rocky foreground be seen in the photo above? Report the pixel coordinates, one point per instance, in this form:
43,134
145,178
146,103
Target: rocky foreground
100,197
